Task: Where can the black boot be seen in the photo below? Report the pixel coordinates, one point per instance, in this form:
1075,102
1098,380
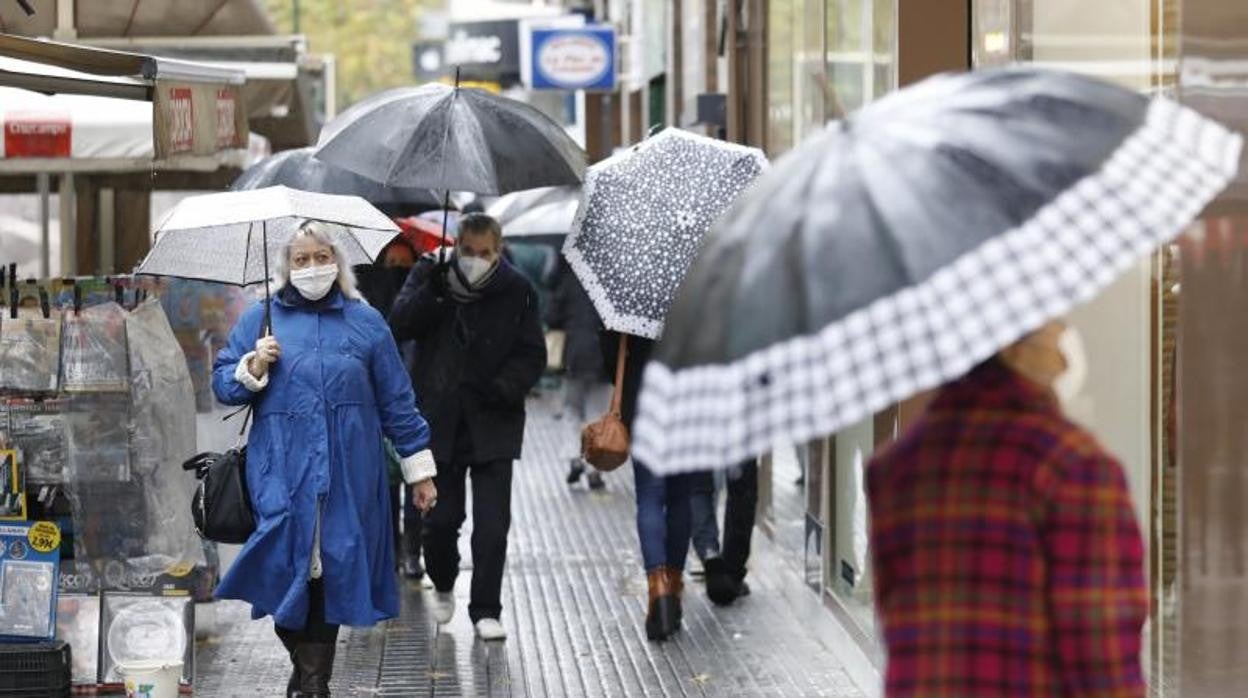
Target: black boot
315,663
723,586
288,641
663,615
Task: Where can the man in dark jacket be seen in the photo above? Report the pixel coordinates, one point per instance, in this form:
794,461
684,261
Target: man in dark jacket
479,351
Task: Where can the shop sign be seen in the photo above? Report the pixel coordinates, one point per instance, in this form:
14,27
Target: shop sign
37,135
181,120
580,58
428,60
485,50
227,107
198,119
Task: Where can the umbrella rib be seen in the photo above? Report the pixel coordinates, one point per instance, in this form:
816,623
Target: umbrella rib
247,251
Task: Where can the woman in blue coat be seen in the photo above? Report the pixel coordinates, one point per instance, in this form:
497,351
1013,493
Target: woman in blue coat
322,554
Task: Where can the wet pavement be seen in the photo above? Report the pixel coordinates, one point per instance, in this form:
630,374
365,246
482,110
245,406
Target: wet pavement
574,600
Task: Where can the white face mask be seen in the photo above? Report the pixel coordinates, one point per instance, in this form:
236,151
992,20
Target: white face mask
314,282
474,268
1069,384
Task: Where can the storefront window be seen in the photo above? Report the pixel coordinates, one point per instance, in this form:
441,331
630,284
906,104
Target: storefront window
781,46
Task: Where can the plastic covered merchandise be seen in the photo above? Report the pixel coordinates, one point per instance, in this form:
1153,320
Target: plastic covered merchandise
30,353
93,350
36,428
78,624
163,396
97,429
139,627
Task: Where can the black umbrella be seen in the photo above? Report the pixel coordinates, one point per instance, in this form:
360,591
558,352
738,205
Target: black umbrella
298,169
902,246
461,139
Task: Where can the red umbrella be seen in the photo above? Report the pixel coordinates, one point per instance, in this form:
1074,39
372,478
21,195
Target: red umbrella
423,235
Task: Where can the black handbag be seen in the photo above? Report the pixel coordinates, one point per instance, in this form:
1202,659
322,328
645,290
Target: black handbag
221,507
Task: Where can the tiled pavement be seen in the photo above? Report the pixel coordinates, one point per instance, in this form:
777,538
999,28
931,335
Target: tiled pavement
574,598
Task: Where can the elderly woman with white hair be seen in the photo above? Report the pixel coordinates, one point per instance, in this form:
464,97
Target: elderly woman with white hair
327,384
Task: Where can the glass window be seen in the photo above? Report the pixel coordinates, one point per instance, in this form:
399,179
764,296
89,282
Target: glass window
781,47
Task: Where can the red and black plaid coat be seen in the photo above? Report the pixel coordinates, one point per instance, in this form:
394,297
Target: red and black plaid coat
1008,561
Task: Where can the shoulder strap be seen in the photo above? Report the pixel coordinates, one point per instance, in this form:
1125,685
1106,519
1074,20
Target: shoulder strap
617,395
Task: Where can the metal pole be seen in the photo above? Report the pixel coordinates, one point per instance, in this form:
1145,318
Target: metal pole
69,229
446,199
295,14
45,244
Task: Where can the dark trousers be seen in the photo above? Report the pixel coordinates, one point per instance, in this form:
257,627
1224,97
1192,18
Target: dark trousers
739,518
407,539
664,517
317,630
491,521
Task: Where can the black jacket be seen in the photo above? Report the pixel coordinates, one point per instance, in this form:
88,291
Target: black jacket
572,311
475,363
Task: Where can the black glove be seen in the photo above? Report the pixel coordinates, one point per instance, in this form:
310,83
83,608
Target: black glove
437,280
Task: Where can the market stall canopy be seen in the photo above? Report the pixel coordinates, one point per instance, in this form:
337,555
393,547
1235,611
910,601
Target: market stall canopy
280,92
102,99
142,18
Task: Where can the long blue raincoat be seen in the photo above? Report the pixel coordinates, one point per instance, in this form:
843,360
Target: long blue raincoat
338,387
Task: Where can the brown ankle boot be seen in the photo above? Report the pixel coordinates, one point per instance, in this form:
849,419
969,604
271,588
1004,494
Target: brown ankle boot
661,619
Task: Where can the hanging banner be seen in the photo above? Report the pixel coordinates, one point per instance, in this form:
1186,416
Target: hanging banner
197,119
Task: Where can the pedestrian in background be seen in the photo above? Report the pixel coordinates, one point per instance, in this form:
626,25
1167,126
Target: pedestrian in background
664,514
324,397
584,383
725,566
380,284
480,350
1008,561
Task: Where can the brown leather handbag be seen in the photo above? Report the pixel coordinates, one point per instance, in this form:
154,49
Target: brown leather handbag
604,443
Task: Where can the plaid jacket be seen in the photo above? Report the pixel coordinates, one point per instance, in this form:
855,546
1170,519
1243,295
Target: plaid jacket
1008,561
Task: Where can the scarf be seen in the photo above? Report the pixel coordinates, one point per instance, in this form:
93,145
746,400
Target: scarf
461,290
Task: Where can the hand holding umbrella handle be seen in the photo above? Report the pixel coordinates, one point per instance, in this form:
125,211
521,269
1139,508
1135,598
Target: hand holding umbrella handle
268,351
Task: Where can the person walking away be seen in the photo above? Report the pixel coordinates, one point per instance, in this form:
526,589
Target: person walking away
481,350
572,311
664,516
380,284
1008,561
725,567
325,385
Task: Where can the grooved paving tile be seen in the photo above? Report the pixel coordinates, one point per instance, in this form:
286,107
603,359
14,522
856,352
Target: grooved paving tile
574,600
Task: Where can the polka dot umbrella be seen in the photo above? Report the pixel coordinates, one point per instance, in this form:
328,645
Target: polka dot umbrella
642,219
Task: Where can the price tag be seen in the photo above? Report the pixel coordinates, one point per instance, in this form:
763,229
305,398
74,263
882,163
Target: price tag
44,536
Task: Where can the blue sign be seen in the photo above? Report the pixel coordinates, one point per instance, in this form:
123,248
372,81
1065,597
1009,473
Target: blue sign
574,58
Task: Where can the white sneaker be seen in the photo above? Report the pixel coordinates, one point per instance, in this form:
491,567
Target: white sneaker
489,629
444,606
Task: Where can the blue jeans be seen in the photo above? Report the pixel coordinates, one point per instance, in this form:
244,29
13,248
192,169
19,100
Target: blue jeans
664,517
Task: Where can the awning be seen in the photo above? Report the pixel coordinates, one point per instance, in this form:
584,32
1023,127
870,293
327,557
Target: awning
96,18
192,110
279,93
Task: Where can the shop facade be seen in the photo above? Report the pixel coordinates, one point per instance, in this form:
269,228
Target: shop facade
1163,389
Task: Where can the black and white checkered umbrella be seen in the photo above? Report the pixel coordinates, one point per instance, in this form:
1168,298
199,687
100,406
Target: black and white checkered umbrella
910,242
643,216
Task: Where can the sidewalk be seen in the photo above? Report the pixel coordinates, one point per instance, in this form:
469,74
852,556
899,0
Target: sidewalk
574,601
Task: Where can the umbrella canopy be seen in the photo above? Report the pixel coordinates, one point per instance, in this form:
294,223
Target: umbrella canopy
554,218
930,230
643,217
509,207
297,169
422,234
220,237
442,137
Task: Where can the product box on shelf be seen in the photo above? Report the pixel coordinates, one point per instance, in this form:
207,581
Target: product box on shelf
29,559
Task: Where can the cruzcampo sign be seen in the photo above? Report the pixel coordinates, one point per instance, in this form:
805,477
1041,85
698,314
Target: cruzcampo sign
573,58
